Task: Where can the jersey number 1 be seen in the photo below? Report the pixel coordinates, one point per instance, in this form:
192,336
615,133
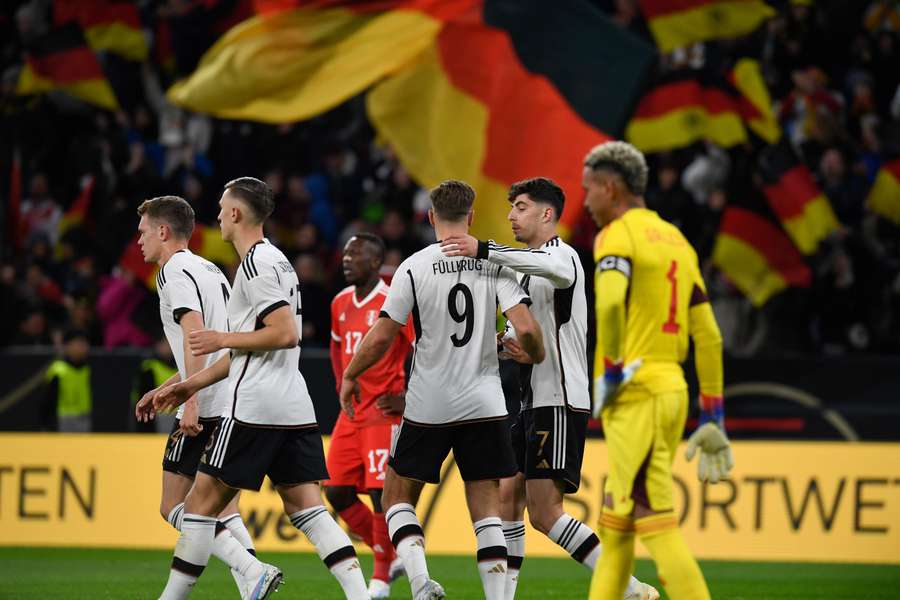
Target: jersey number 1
671,326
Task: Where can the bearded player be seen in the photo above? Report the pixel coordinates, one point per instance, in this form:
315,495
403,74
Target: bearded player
361,441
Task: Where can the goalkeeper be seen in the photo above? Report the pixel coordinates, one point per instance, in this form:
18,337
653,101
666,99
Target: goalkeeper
650,298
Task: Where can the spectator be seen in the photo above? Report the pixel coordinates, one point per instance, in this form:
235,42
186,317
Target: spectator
68,400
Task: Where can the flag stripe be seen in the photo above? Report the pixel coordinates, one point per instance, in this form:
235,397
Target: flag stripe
67,66
678,24
747,269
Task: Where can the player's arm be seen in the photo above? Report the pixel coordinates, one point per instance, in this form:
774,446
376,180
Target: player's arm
279,331
190,321
528,332
710,438
335,350
143,410
555,266
374,345
177,394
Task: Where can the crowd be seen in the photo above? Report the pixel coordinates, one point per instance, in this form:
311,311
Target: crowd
831,68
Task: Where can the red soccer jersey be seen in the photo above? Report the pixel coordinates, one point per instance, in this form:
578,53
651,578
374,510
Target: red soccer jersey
350,321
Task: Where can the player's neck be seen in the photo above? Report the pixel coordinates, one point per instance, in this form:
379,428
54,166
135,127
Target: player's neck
168,250
541,238
628,204
364,289
244,239
442,231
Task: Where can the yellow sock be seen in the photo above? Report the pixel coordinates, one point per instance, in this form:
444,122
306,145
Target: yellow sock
678,571
616,558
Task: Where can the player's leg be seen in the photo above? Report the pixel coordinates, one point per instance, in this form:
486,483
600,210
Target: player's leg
417,454
512,508
376,445
232,520
345,469
296,470
656,523
198,531
628,429
484,454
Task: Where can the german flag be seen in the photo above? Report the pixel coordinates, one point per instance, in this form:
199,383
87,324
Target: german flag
62,60
478,90
678,23
108,25
755,103
756,255
794,197
685,107
77,213
884,197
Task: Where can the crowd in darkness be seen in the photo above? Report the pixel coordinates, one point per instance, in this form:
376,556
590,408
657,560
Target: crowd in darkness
835,90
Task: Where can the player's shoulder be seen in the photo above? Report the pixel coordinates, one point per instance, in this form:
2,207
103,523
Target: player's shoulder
264,255
417,260
613,235
343,296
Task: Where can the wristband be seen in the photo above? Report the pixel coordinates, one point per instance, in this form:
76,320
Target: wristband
612,371
712,409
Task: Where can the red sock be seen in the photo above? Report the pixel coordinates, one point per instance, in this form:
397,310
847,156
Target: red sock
382,549
358,518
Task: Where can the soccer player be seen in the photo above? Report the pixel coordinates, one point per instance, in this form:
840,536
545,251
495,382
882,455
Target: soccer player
454,399
650,298
549,433
361,440
269,427
192,296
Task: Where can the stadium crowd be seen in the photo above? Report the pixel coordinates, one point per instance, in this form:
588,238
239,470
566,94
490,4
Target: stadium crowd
831,69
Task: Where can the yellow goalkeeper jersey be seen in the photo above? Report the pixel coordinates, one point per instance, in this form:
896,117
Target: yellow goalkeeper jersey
661,284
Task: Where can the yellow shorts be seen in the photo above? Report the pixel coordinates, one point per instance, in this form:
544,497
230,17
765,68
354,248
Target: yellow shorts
642,433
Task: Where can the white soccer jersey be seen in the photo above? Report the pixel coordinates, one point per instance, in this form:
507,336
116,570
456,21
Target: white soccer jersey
266,389
455,374
554,279
189,282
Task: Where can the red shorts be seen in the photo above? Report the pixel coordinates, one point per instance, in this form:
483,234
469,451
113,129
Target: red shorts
358,456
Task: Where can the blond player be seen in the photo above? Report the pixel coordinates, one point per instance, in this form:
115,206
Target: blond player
650,298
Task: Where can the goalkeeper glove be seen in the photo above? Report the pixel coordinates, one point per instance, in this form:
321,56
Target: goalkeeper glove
614,377
715,450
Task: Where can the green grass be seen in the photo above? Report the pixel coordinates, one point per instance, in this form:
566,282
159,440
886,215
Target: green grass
31,573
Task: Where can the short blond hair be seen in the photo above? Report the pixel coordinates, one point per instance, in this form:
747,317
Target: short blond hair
623,159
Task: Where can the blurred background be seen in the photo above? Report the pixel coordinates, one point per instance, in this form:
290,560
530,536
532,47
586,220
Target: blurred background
773,136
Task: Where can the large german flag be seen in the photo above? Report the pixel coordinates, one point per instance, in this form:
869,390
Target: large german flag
756,255
109,25
678,23
884,197
475,90
795,198
685,107
61,60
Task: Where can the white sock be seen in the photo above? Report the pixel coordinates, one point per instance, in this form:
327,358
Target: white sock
191,555
334,548
577,539
235,525
514,532
491,557
225,547
409,540
175,516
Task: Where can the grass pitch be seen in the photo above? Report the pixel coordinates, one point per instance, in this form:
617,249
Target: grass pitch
50,573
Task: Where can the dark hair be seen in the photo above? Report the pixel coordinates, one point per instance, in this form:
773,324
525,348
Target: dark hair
255,193
452,200
540,189
375,240
174,211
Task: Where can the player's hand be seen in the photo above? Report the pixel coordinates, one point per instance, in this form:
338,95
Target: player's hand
614,378
143,410
349,396
173,396
460,245
716,459
204,341
391,404
513,350
190,421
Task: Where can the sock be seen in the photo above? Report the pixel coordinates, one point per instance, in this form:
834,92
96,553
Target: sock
382,548
678,571
334,548
235,525
577,539
491,557
611,576
191,555
358,518
225,547
514,532
409,540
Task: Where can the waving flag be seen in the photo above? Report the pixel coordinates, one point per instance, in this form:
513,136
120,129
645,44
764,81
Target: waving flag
678,23
884,197
110,25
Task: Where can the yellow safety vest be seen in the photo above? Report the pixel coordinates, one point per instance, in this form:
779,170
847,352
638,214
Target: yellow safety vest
74,397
